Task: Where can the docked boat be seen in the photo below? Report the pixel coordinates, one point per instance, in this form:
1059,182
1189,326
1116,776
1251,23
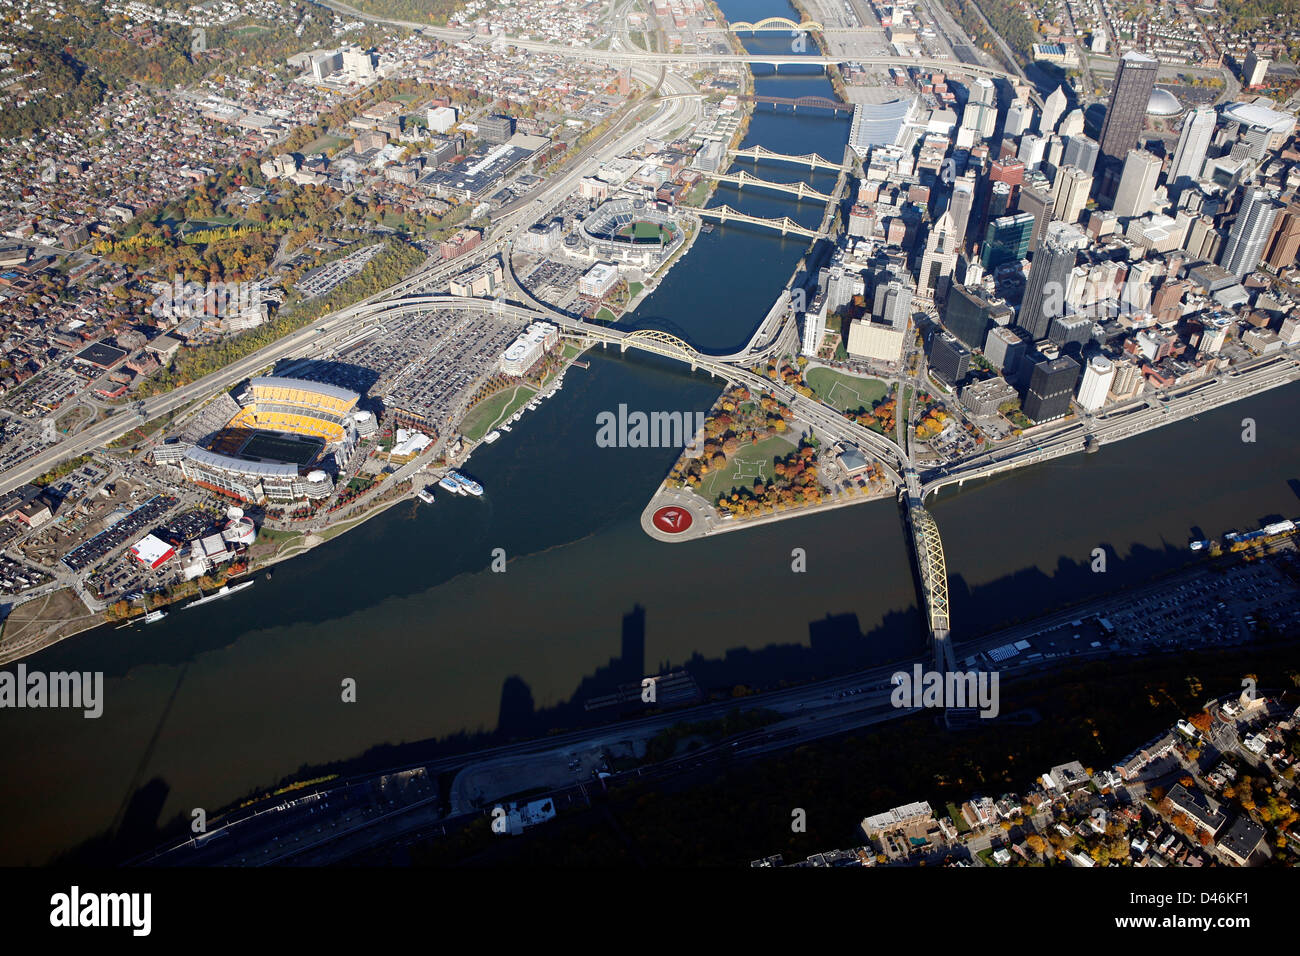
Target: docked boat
466,485
450,484
491,436
154,616
506,428
425,495
225,591
1199,545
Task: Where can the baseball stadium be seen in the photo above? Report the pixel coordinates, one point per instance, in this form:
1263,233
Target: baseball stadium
631,227
272,448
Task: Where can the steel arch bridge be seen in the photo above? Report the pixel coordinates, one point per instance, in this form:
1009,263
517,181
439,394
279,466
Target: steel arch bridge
774,23
655,340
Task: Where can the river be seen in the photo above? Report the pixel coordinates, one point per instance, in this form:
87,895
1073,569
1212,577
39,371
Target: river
217,702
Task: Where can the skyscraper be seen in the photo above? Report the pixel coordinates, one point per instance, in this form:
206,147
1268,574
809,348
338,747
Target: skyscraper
1050,386
1036,199
940,258
1072,124
981,111
1070,193
1049,278
1125,113
1193,143
1053,108
949,359
1032,148
999,201
1081,152
893,303
1067,330
959,204
1006,240
814,330
1250,233
1020,116
1284,243
1137,185
1003,349
1254,69
1095,387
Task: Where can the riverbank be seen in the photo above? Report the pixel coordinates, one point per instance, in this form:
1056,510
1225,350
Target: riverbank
58,618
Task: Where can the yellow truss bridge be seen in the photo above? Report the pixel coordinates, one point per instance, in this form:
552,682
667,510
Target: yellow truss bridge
811,160
785,225
769,24
934,579
742,179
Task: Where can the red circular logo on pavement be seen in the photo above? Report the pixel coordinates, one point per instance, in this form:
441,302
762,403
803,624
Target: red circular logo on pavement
672,520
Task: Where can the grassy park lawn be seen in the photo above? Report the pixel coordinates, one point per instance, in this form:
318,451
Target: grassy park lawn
482,417
323,144
748,463
845,392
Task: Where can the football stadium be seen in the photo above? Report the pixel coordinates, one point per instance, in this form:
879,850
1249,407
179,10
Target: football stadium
273,447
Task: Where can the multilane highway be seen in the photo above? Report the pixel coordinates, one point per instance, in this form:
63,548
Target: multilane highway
674,108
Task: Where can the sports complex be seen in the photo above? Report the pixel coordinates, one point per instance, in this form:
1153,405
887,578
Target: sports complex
273,447
631,229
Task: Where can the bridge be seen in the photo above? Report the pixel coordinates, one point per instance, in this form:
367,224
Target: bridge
785,225
932,570
811,160
818,102
775,24
742,179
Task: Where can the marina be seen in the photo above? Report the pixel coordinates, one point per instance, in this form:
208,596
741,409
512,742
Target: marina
1235,540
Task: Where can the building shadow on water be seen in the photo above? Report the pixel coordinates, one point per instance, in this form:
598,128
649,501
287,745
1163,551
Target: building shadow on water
836,644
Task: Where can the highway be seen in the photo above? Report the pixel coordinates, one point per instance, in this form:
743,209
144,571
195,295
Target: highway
1122,421
674,109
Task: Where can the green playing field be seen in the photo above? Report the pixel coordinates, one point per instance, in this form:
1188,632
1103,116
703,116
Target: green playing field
273,446
643,230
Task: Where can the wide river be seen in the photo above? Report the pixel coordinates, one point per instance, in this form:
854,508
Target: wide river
214,703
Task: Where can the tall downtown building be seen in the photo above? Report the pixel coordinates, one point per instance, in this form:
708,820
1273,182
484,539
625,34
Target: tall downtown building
1081,152
1137,185
940,258
1049,278
1250,232
1125,114
1193,145
960,204
1051,385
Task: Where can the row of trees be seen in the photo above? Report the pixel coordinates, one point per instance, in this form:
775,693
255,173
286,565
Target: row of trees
192,364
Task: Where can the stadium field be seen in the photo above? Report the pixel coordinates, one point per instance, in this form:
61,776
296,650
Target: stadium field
274,446
643,230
